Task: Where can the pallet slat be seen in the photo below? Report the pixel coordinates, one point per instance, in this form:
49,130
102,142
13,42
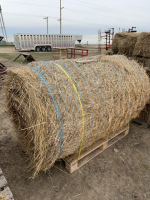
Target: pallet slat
72,163
145,124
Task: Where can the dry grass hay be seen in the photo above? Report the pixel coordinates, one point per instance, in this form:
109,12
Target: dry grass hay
115,44
124,43
3,71
145,62
108,52
57,105
142,47
2,197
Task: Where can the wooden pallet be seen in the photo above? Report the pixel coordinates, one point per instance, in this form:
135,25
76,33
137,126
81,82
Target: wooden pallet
4,189
72,163
139,121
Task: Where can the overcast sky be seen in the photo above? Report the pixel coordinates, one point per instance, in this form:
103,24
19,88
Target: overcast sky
84,17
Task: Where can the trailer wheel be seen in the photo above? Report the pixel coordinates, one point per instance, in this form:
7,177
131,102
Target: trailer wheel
37,49
48,48
43,49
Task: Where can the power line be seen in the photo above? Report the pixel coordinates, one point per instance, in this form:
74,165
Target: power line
65,19
73,2
41,16
104,8
104,16
30,4
74,10
114,0
133,5
28,15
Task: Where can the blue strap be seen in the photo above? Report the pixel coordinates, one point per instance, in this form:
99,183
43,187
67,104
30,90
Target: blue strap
56,107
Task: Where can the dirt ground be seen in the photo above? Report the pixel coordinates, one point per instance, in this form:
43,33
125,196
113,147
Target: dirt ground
8,55
121,172
11,49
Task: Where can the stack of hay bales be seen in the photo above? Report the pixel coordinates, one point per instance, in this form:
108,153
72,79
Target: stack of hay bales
142,54
142,50
142,46
61,107
136,46
124,43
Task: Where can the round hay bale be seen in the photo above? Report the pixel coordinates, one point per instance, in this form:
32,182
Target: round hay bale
62,107
115,44
124,43
142,47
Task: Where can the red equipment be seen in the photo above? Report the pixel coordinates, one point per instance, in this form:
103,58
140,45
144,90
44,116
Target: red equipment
109,35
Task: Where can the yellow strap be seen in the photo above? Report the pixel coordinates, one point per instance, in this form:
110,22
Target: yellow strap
80,105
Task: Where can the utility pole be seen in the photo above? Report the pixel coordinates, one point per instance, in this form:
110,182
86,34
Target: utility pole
47,23
60,17
2,24
60,23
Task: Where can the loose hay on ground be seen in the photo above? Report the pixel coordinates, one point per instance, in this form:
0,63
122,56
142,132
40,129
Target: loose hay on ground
48,101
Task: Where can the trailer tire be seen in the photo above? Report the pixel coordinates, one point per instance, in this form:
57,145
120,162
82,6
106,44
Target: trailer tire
37,49
43,48
49,48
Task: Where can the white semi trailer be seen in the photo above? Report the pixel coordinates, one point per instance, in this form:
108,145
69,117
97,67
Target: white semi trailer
44,42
